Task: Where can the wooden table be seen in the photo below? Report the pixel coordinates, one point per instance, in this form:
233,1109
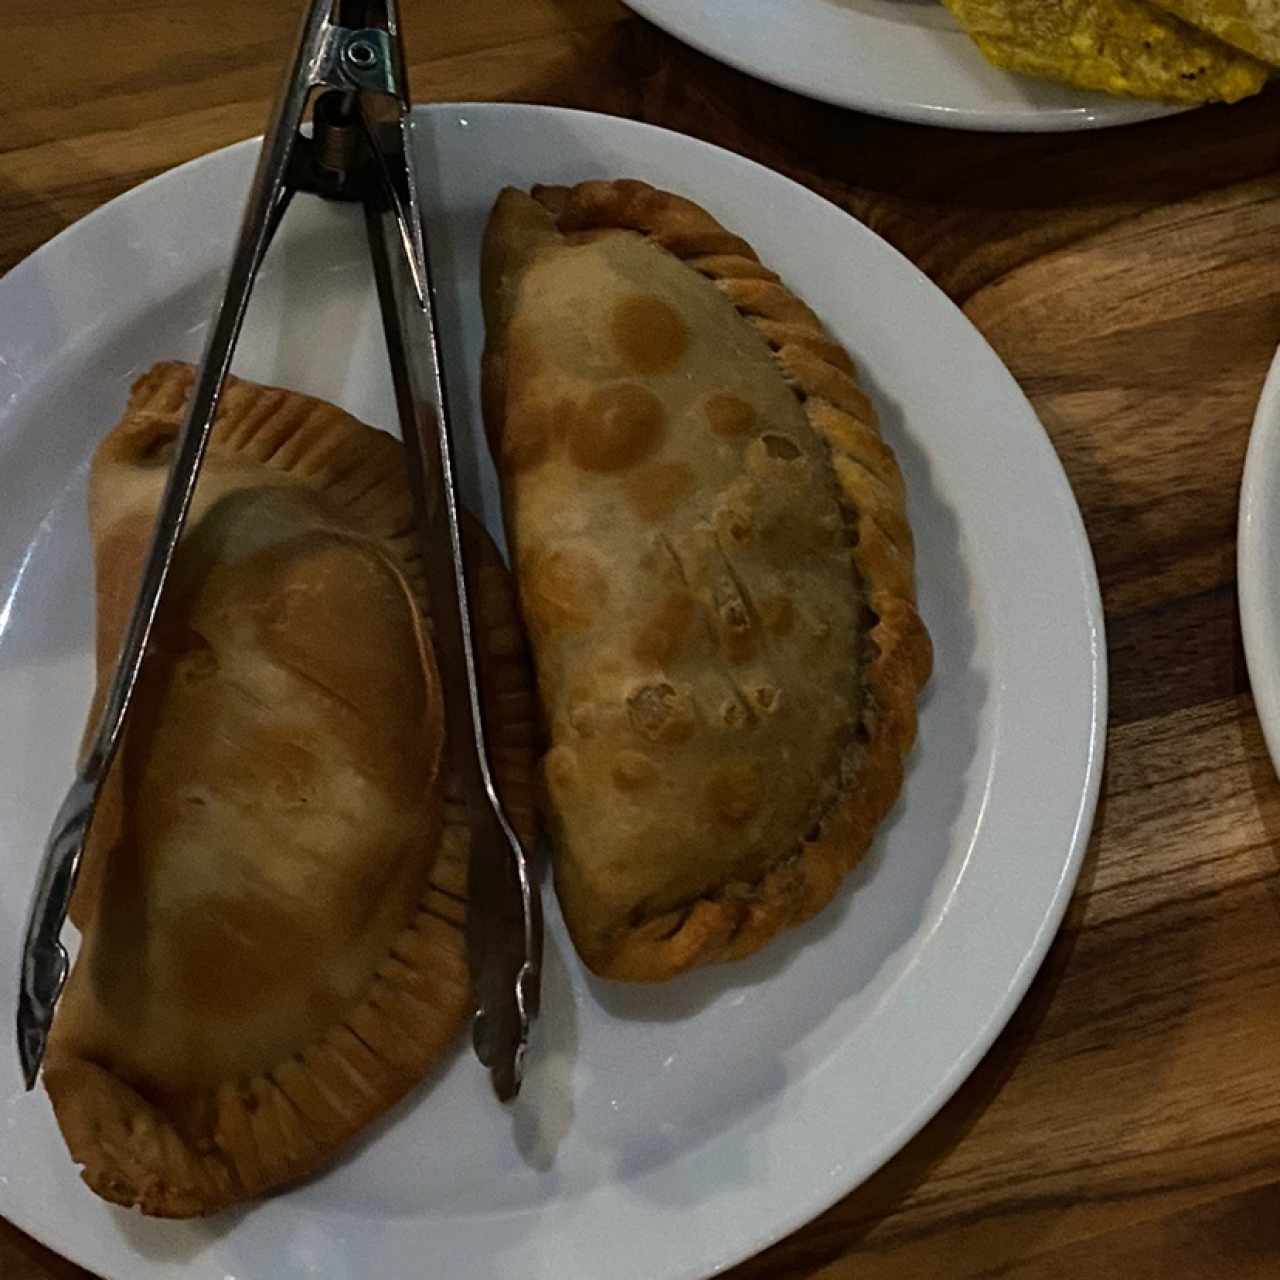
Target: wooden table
1127,1123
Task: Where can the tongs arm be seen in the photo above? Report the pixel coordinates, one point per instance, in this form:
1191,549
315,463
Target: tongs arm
359,150
44,965
504,921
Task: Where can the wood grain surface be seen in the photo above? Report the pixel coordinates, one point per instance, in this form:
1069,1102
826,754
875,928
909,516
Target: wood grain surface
1127,1122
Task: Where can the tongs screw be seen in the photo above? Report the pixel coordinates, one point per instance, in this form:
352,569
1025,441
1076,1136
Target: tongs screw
361,54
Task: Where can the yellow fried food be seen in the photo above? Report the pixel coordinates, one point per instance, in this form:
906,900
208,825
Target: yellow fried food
1118,46
1251,25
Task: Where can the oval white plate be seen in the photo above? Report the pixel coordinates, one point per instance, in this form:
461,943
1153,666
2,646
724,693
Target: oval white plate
1258,560
664,1131
903,58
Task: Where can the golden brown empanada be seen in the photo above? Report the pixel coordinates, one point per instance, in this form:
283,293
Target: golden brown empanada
275,885
715,567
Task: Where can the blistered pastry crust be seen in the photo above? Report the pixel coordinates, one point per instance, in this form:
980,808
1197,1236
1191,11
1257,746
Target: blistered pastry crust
892,648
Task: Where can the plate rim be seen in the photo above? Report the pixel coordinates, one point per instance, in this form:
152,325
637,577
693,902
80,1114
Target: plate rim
1256,529
1096,110
983,1035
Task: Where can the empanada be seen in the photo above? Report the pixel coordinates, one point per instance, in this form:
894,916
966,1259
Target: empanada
715,568
275,885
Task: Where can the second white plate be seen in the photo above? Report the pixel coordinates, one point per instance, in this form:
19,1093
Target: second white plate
1258,560
664,1132
903,58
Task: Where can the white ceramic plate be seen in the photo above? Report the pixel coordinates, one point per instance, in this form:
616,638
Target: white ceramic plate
903,58
664,1131
1258,560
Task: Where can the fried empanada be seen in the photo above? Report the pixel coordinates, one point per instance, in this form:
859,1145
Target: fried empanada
714,566
275,884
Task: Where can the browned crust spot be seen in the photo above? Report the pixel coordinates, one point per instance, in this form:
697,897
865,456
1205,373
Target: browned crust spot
257,1134
741,918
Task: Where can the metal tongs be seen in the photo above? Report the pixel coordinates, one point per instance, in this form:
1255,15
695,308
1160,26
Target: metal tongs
360,149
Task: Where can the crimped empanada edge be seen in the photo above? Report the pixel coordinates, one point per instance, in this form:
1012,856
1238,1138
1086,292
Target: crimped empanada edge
740,918
279,1126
